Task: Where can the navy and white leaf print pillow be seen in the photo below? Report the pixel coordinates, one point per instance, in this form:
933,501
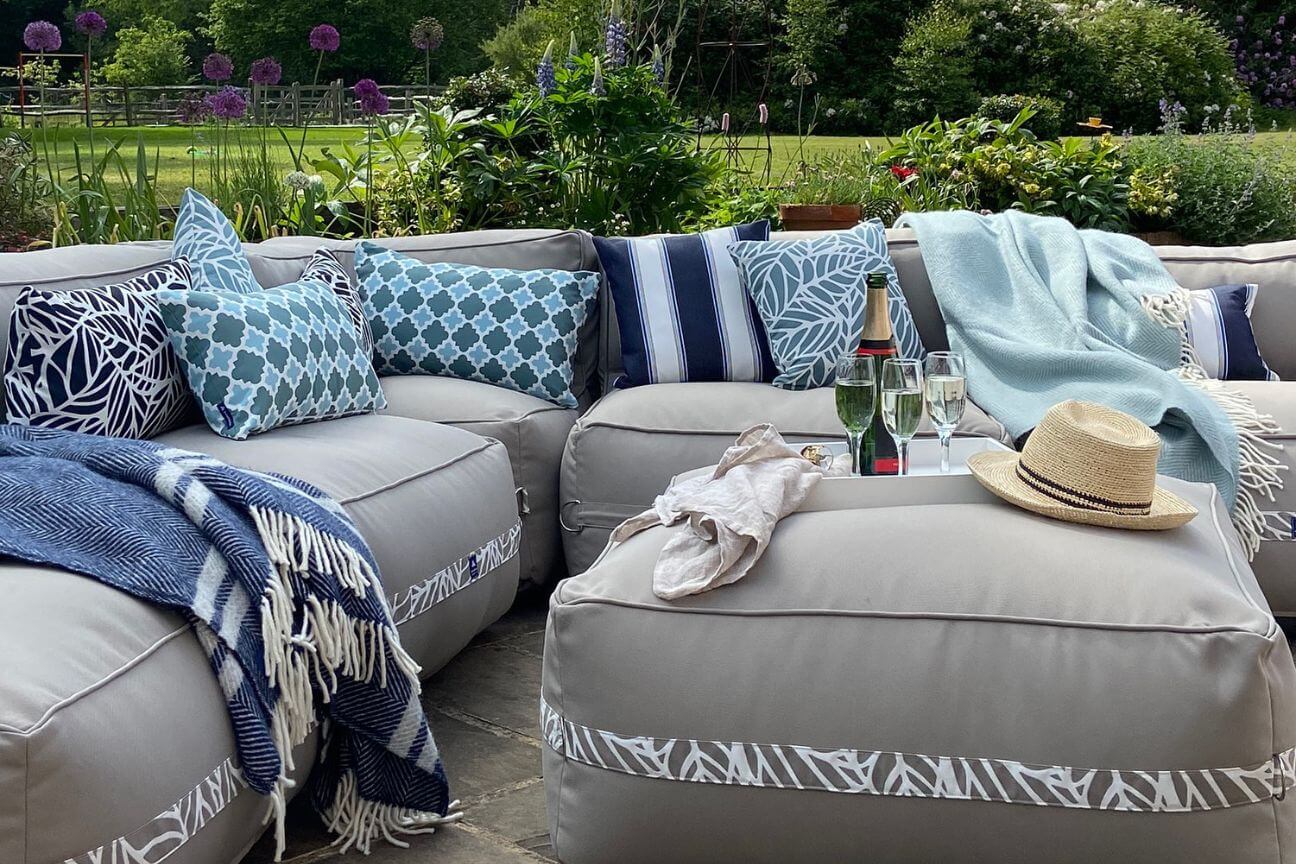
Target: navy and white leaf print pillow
811,293
97,360
208,241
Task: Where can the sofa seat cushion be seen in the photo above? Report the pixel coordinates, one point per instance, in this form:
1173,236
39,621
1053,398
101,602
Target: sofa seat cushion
532,430
436,505
99,688
886,670
1275,563
625,449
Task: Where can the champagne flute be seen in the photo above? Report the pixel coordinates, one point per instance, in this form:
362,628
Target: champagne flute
946,390
856,395
902,403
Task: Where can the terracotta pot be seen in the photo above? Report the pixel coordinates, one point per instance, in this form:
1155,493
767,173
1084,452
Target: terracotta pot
1160,238
819,217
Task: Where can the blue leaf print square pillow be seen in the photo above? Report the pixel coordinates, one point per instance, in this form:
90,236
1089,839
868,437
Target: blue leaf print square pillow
810,295
205,238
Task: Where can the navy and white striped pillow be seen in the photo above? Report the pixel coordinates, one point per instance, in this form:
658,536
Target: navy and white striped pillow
1219,329
681,311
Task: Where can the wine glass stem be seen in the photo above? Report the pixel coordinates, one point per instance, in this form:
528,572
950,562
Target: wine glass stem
855,439
902,447
945,434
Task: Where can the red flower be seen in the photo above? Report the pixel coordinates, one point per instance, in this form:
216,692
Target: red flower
903,173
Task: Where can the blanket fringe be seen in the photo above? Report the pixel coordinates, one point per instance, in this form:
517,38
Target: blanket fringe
1259,467
329,643
358,822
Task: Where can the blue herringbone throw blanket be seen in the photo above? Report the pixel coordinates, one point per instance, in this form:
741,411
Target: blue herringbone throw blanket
283,594
1043,312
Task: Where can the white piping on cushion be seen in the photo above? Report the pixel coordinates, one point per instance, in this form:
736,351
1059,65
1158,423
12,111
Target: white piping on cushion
913,775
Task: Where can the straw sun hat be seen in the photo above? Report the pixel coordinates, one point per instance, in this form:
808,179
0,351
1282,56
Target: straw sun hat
1086,463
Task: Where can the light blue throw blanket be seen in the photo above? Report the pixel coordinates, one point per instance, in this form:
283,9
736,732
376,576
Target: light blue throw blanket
1043,312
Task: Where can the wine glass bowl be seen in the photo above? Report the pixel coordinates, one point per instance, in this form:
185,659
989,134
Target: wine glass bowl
902,403
855,392
946,396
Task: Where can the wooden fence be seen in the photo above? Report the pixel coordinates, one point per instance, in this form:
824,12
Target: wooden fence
283,105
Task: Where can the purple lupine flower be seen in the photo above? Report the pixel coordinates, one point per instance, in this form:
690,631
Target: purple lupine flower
373,102
324,37
227,103
762,112
217,67
91,23
266,72
614,39
427,34
546,82
573,51
42,36
597,87
658,65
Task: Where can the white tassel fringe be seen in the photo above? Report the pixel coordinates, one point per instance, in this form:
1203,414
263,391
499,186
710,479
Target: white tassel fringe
1259,468
329,644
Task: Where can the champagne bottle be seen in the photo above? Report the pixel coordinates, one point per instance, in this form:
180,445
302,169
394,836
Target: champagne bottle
878,450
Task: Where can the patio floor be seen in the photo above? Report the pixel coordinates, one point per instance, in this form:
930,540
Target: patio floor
483,711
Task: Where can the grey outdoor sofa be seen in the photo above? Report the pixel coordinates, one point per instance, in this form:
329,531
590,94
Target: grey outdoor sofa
113,735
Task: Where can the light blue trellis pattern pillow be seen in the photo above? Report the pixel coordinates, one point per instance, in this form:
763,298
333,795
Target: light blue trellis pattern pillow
810,295
207,240
278,357
516,329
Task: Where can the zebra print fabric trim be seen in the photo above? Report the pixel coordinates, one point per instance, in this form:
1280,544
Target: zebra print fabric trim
164,835
913,775
417,599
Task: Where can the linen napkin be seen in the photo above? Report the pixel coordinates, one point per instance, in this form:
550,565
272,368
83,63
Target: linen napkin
731,513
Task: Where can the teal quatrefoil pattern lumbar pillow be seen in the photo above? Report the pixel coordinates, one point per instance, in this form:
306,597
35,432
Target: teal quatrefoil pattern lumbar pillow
810,295
207,240
512,328
280,356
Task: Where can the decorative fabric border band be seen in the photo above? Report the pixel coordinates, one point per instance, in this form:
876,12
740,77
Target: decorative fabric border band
419,598
912,775
165,834
1279,525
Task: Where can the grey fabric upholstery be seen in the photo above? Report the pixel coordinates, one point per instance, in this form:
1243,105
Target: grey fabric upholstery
532,430
939,628
625,449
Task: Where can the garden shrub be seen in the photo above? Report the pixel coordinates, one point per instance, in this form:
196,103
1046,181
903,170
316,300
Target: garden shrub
1149,52
1225,189
1046,113
151,55
1266,60
482,91
24,211
962,51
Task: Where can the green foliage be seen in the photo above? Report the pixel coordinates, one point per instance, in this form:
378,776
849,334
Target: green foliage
150,55
112,198
810,29
1148,52
24,210
483,91
467,27
1219,188
1004,166
1046,113
962,51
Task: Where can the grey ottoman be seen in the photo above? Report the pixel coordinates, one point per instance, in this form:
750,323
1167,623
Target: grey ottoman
944,678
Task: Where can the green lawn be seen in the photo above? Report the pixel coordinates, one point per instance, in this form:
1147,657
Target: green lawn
170,148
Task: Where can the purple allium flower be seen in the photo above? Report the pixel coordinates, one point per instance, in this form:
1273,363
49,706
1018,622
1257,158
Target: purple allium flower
658,65
91,23
266,72
427,34
373,102
324,37
597,87
227,104
193,110
546,82
42,36
614,39
217,67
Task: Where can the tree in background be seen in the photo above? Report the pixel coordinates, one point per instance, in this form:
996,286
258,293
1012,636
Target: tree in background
152,54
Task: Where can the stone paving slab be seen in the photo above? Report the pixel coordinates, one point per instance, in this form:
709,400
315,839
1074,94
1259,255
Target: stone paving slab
483,708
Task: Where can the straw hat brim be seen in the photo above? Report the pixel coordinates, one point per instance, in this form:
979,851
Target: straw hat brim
998,473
